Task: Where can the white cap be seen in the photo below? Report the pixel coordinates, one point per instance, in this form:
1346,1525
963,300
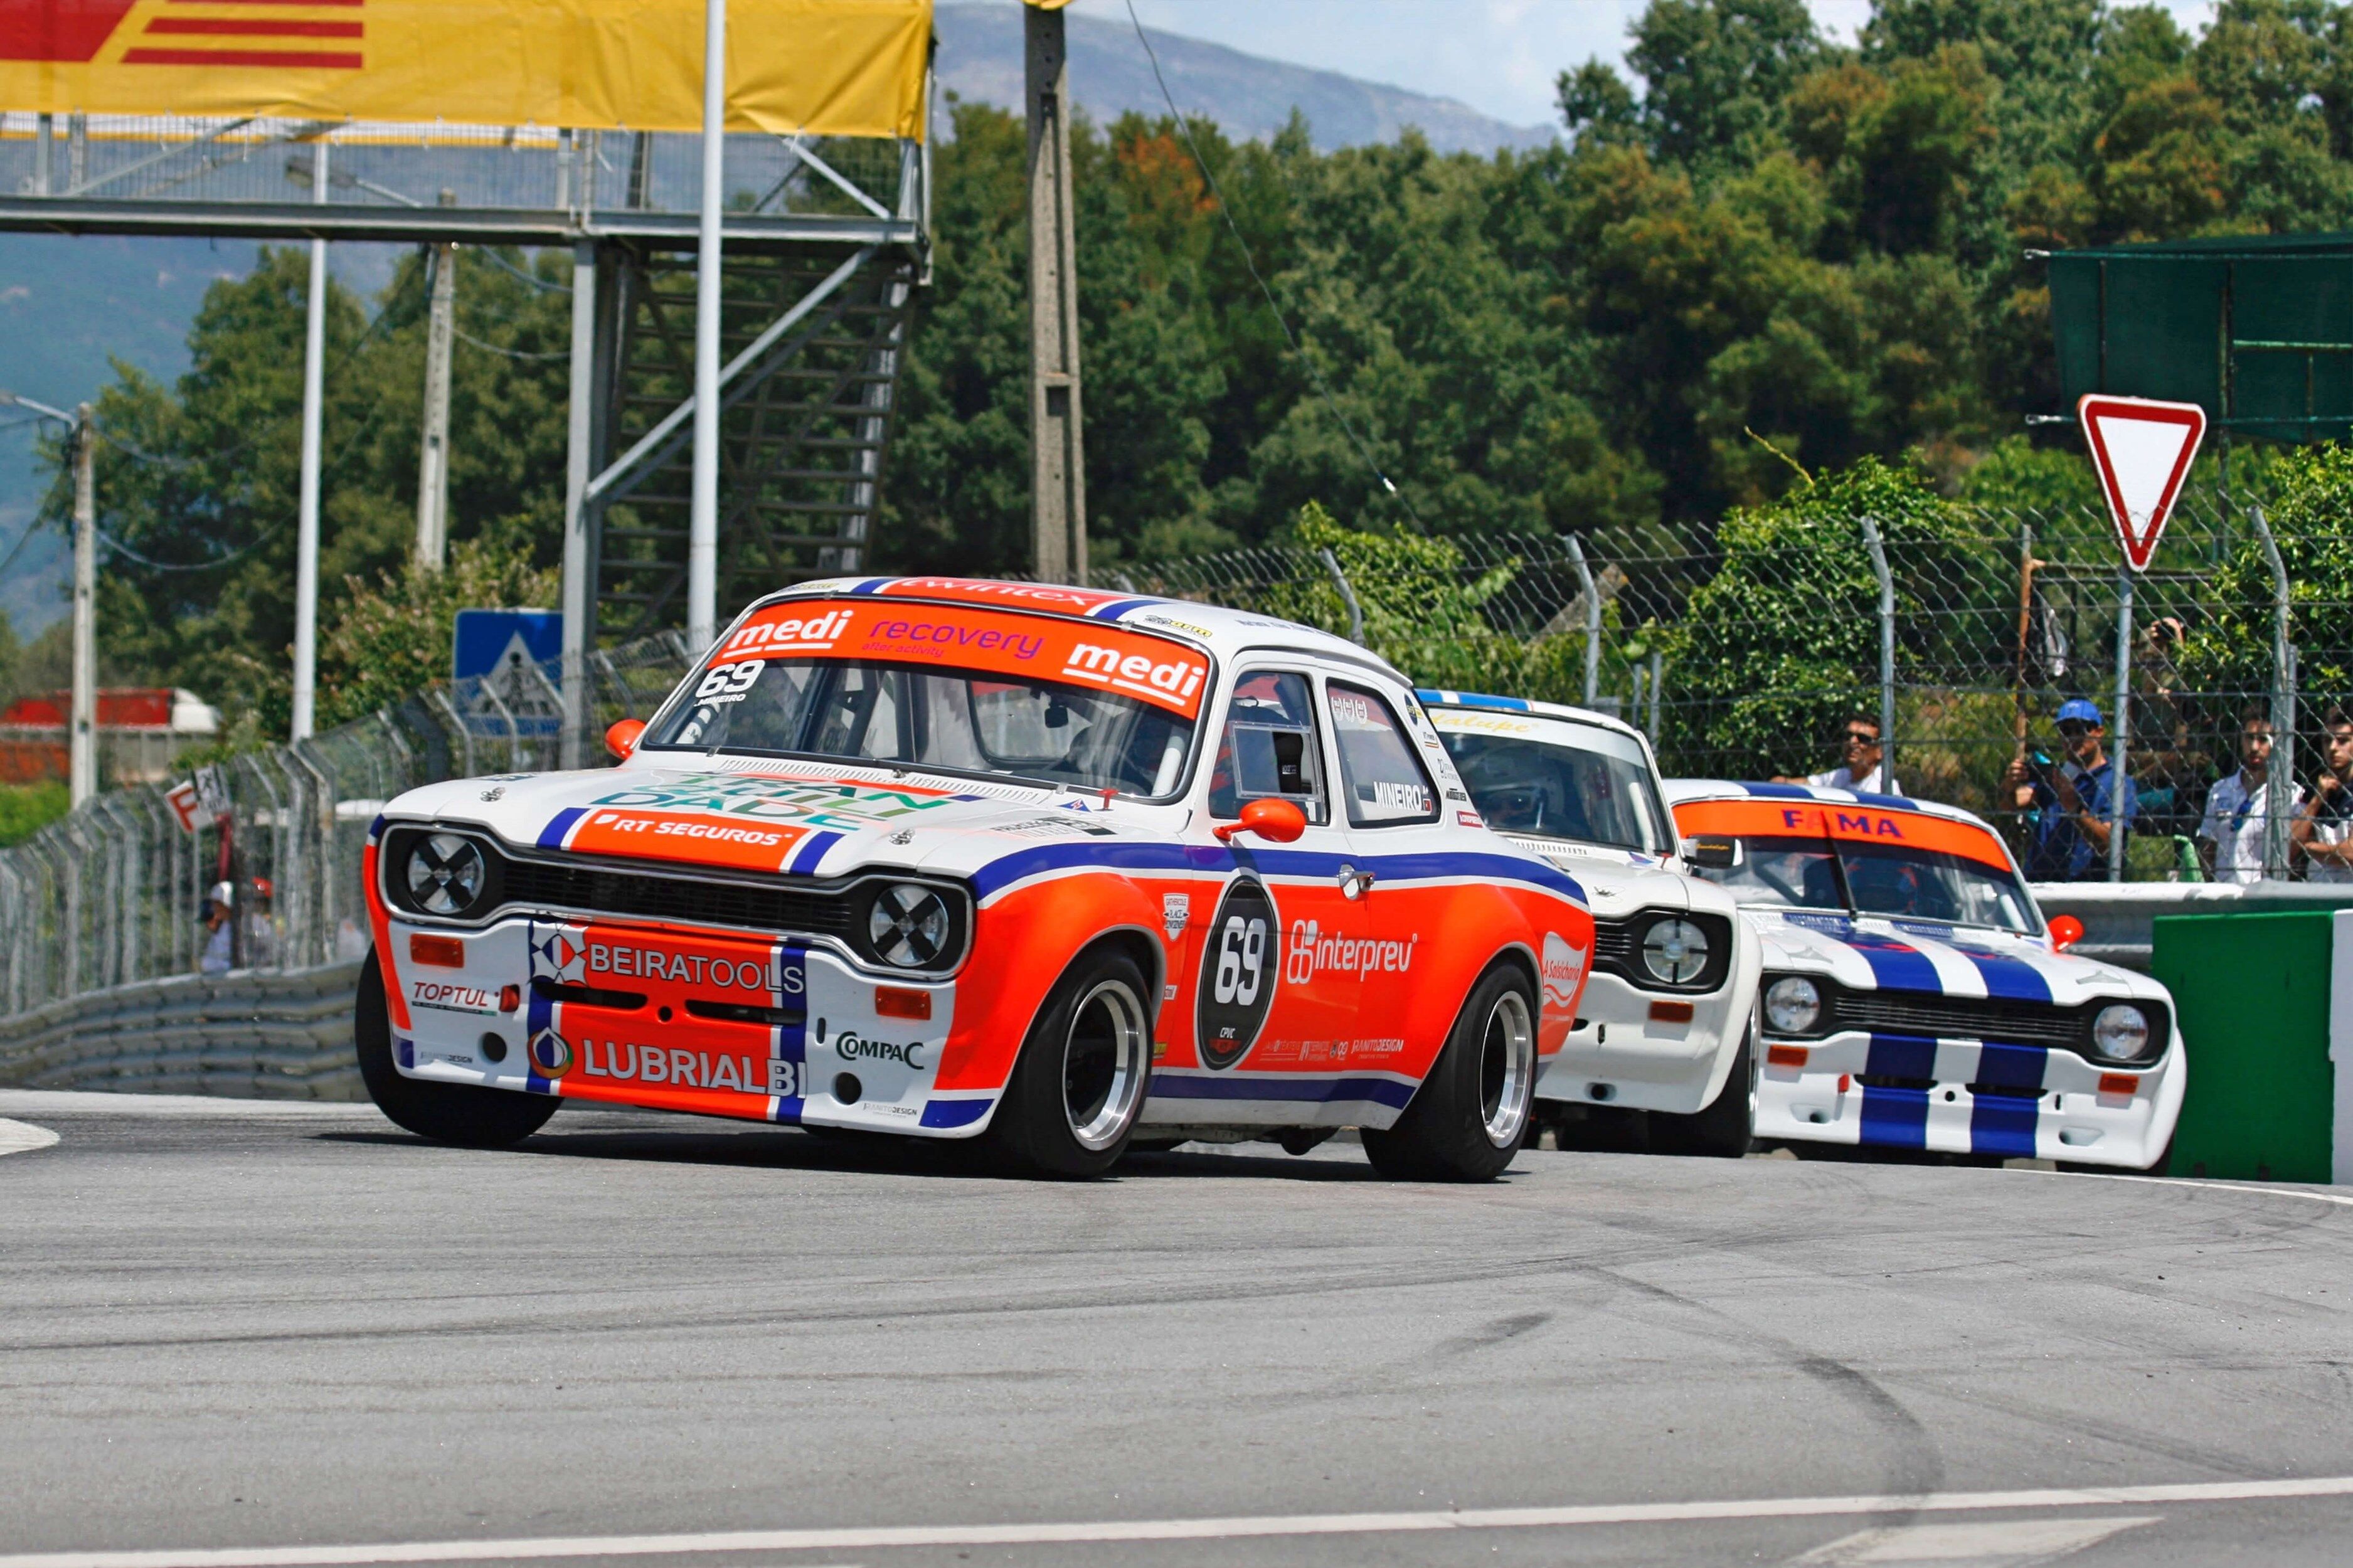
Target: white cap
223,893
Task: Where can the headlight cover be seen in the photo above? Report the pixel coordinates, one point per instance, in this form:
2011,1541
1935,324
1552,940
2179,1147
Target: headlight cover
2120,1032
1674,950
909,925
1793,1006
447,874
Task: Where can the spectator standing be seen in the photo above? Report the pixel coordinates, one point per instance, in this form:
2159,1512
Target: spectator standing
220,932
2068,806
1863,768
2238,807
2324,828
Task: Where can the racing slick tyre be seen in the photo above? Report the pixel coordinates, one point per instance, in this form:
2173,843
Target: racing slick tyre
1469,1118
1077,1089
445,1112
1726,1127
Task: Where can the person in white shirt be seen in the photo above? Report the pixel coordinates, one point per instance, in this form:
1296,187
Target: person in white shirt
2237,807
1862,770
2322,829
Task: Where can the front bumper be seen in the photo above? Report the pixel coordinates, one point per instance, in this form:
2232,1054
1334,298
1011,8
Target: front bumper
1968,1096
719,1025
1620,1053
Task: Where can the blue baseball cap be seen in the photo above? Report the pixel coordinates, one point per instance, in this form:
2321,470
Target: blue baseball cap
2079,708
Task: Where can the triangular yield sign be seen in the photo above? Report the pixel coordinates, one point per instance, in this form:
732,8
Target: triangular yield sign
2142,449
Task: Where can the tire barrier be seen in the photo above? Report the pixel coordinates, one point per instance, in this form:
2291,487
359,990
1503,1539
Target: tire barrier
283,1036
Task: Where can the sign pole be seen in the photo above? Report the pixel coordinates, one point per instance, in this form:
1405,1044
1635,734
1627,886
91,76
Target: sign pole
2122,733
578,559
702,523
306,526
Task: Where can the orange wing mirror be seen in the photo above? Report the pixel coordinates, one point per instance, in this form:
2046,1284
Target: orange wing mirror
622,738
2066,930
1276,821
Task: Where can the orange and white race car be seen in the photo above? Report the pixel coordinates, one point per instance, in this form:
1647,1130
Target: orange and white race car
1045,867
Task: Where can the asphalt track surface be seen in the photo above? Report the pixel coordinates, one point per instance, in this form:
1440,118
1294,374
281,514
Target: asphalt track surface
228,1330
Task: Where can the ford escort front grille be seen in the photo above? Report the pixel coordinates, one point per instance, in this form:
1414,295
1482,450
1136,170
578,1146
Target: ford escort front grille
1956,1018
629,895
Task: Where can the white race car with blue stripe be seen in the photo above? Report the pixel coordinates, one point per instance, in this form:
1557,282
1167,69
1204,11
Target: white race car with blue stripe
1668,1022
1913,995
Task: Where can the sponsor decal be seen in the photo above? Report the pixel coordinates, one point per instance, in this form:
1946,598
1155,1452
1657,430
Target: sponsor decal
1238,981
679,1066
1176,912
767,975
1480,723
558,953
770,801
858,1047
1783,819
1406,799
1564,972
443,996
976,591
1054,827
785,632
1312,1053
1174,625
551,1053
1314,952
1172,682
1470,819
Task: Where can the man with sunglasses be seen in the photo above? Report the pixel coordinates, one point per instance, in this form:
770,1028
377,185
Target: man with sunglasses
2324,828
2237,807
2067,806
1861,767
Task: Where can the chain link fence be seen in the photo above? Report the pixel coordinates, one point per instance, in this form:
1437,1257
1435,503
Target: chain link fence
120,891
1960,633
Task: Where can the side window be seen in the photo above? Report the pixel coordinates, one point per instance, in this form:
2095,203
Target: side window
1269,747
1379,775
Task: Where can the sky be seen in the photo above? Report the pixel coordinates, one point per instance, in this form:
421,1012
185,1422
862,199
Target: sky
1500,56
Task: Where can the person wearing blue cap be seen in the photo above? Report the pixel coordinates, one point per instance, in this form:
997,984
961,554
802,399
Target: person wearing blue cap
2067,806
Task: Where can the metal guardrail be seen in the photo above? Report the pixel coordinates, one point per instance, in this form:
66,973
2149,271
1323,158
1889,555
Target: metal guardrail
250,1036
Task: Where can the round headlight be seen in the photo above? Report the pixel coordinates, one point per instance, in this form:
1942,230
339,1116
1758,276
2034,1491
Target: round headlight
1674,950
1793,1004
447,874
2120,1033
909,925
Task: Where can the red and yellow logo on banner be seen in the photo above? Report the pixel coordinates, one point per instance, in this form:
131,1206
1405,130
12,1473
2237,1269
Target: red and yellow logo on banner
834,68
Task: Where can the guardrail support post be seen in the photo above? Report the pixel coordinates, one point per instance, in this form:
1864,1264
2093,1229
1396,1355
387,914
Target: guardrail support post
2281,777
1878,548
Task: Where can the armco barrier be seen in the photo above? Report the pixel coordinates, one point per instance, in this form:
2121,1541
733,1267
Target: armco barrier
284,1036
2119,918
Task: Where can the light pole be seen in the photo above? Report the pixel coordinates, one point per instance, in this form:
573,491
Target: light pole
702,513
81,733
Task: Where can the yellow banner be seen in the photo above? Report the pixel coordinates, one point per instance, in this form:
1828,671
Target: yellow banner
830,68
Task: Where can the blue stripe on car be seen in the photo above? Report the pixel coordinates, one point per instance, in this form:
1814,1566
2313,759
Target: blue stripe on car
1897,1118
1895,966
1117,608
2007,979
954,1112
1008,869
551,836
1474,700
1901,1056
805,857
2003,1124
1319,1090
2013,1067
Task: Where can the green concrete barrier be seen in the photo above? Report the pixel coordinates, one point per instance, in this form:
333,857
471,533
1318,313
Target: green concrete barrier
2253,993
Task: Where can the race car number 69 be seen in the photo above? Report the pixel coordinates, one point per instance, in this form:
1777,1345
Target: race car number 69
730,679
1241,960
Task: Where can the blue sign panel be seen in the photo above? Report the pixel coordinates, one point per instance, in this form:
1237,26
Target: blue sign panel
487,640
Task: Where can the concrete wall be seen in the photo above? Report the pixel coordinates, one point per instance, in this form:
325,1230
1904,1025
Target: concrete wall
275,1037
2117,916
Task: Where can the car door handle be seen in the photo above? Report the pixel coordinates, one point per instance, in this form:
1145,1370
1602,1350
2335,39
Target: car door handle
1354,884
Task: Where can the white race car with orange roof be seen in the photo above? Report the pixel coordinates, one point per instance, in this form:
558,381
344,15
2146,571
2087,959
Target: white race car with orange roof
1033,865
1669,1021
1913,997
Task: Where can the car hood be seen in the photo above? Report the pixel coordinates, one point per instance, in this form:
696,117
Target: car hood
1875,954
814,819
1619,882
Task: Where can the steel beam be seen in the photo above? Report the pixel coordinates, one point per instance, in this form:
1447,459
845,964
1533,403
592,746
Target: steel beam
282,221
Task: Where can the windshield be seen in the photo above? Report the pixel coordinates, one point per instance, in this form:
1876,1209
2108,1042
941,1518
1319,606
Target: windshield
963,690
1863,862
1553,778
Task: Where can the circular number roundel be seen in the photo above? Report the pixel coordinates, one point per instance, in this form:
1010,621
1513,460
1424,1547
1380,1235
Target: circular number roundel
1241,962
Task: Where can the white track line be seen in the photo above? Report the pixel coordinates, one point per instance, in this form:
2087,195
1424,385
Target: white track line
2342,1199
23,1137
888,1537
69,1101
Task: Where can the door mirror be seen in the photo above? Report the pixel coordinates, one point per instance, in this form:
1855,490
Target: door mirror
1712,854
622,738
1276,821
2066,930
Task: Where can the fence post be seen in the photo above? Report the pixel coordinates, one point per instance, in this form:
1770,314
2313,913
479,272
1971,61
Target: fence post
1886,651
1658,693
2281,777
1592,619
1347,595
2118,774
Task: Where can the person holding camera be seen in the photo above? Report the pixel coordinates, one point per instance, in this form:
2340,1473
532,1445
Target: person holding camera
2323,830
2068,804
